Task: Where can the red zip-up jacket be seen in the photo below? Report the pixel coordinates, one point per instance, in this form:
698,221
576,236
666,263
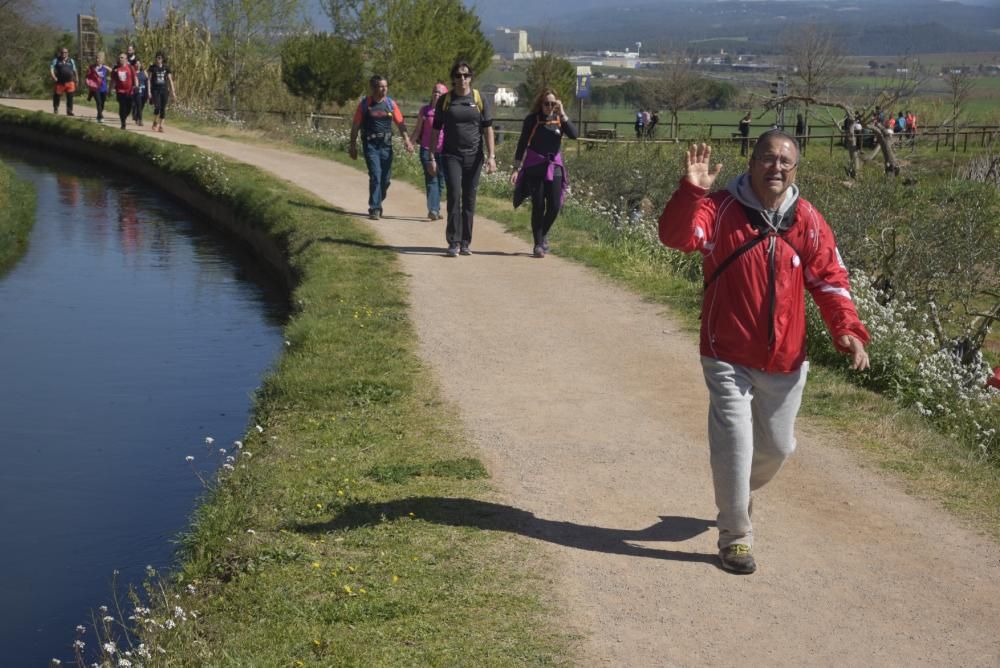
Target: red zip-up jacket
124,79
753,313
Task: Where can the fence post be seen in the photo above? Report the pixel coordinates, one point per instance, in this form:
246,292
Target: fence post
965,142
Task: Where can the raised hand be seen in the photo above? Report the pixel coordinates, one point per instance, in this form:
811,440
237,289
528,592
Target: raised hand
699,171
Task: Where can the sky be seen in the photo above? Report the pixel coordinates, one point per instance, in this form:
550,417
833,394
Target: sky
114,14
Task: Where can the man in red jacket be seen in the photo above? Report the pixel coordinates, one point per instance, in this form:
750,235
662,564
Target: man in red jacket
762,245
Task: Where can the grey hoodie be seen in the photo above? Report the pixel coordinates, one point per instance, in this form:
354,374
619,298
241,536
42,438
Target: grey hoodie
740,188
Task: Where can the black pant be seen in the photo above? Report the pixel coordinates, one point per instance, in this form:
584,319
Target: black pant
124,106
69,102
159,96
546,199
99,99
462,173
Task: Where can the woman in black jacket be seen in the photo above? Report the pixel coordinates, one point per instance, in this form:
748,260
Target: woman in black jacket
539,172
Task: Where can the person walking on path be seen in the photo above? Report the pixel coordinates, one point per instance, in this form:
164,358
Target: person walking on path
125,83
762,245
141,94
161,89
64,80
97,82
542,176
800,130
374,118
466,119
431,143
745,134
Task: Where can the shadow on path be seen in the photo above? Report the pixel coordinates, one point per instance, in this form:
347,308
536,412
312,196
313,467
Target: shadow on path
411,250
498,517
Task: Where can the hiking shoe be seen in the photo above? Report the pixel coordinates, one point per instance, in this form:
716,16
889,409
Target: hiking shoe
545,244
465,249
70,113
737,559
123,125
432,215
374,214
539,251
452,250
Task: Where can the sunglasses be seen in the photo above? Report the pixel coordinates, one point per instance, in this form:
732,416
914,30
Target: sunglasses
463,75
546,103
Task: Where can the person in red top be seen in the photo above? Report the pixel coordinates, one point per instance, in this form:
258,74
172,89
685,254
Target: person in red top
124,80
762,246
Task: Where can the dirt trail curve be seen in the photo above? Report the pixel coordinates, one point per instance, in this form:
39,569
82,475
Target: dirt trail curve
589,409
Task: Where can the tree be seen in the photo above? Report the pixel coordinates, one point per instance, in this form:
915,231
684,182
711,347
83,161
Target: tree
321,68
959,82
549,71
816,61
188,46
412,43
26,43
909,75
246,43
677,87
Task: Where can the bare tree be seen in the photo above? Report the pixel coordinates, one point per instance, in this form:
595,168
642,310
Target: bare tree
676,87
816,61
902,85
960,83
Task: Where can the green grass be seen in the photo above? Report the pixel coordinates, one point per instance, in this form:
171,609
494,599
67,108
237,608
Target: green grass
359,530
17,216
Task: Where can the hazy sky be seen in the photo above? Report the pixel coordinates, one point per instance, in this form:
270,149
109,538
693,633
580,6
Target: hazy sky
114,14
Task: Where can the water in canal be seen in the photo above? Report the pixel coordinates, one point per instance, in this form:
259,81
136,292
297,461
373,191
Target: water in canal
129,332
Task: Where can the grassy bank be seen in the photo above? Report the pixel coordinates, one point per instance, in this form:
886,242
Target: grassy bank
354,527
17,215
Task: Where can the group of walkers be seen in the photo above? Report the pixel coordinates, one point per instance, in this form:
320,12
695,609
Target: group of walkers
645,123
763,246
133,85
455,136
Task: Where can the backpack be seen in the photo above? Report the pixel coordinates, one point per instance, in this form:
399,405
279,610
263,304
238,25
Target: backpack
388,102
475,96
538,121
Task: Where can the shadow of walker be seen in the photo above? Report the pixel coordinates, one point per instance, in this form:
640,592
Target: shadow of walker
498,517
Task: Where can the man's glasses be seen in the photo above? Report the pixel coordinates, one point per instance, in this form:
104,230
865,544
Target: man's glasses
783,164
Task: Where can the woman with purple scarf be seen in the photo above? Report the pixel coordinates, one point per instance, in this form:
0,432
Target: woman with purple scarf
539,172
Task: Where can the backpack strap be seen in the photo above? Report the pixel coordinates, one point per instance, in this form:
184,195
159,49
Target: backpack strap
475,96
538,121
763,230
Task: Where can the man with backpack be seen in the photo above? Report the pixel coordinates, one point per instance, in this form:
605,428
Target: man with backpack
373,120
64,79
762,245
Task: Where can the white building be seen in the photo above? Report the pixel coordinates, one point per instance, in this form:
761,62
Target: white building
512,44
500,96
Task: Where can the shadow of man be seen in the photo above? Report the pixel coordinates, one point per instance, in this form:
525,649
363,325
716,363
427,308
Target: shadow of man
498,517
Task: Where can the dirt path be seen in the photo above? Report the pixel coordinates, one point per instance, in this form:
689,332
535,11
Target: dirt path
589,408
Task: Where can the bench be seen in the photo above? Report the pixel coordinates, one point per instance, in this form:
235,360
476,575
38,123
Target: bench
601,134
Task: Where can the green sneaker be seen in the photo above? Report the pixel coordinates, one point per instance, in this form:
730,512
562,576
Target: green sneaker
737,559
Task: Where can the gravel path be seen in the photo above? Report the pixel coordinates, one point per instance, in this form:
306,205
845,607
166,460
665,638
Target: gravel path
589,408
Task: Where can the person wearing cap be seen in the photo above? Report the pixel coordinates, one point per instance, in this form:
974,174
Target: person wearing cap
430,144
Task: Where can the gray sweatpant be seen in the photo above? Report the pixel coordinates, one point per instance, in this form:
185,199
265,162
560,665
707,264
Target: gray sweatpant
751,421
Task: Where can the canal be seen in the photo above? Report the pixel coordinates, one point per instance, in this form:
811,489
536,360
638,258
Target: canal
131,332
